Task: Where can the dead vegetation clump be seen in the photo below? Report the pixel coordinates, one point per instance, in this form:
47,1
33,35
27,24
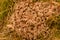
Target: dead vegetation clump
28,20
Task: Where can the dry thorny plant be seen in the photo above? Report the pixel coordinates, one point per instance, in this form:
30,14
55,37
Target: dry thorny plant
28,20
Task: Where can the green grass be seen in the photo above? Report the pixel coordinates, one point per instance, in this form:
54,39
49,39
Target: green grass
54,22
6,7
57,1
45,0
